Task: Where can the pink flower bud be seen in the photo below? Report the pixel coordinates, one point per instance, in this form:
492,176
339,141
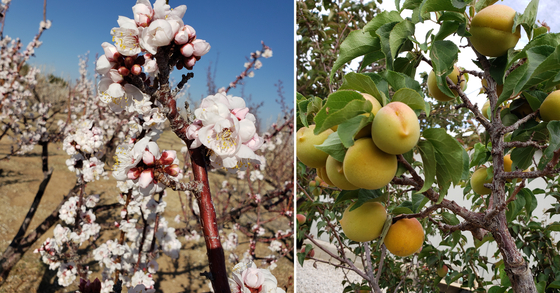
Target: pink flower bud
133,173
148,158
124,71
252,278
172,170
167,157
255,143
189,62
187,50
110,51
136,69
240,113
129,61
146,178
201,47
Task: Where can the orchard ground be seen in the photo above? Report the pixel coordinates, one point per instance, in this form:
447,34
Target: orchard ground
20,178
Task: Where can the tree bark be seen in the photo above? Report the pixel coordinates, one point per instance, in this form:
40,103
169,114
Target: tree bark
516,267
214,250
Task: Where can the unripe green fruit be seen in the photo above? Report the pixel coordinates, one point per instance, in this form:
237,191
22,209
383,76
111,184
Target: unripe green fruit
485,110
550,108
491,30
478,179
335,172
306,151
442,272
364,223
366,166
395,129
436,93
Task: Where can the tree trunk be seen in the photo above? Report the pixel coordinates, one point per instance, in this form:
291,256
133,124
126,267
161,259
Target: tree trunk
516,267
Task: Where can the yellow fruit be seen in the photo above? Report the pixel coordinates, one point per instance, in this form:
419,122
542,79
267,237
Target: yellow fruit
485,109
366,166
478,179
436,93
550,108
395,129
364,223
491,30
322,173
405,237
507,165
335,172
305,147
366,130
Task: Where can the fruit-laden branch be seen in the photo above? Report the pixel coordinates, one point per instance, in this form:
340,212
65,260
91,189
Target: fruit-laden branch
425,213
518,123
467,103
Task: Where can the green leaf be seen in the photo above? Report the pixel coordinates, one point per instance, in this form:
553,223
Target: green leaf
418,202
399,34
370,58
428,154
449,155
553,227
440,5
497,289
398,81
547,69
365,195
363,84
522,158
444,55
348,129
356,44
384,33
401,210
447,28
511,81
481,4
340,106
554,144
333,146
450,218
541,286
480,155
380,83
554,285
527,19
530,200
410,97
534,98
380,19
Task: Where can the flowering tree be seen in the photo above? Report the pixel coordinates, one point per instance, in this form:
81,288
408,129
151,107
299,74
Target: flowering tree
486,152
127,116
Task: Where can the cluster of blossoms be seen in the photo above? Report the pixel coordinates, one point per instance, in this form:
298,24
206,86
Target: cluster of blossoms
55,251
150,29
83,145
247,278
224,125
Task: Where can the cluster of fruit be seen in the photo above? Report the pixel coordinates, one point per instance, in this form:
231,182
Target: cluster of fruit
371,163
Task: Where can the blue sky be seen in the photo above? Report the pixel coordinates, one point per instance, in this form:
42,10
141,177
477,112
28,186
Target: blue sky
234,29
